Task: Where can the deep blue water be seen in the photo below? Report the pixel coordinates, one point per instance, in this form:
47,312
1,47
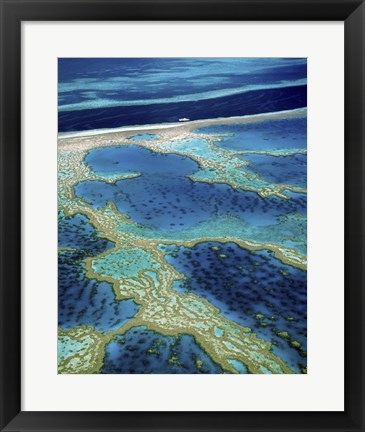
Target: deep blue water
107,93
282,170
96,80
164,198
128,354
253,102
83,301
243,284
263,135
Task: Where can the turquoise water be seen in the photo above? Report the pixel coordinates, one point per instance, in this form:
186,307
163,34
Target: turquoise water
240,367
146,137
67,347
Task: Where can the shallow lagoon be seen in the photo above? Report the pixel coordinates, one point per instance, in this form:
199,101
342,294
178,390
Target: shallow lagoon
142,351
83,301
164,198
279,169
78,233
251,288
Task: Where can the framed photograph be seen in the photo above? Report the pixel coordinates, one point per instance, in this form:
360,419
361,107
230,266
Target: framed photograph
182,215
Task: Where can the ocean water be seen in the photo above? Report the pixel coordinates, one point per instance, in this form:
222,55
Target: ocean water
143,351
165,199
253,289
83,301
253,102
107,93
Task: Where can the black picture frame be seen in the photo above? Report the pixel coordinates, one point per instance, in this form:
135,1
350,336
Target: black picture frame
13,12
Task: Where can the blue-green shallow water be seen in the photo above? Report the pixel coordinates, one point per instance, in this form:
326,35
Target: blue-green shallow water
142,351
244,284
146,137
83,301
239,366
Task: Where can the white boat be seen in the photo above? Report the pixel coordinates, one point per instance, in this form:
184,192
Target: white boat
184,119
